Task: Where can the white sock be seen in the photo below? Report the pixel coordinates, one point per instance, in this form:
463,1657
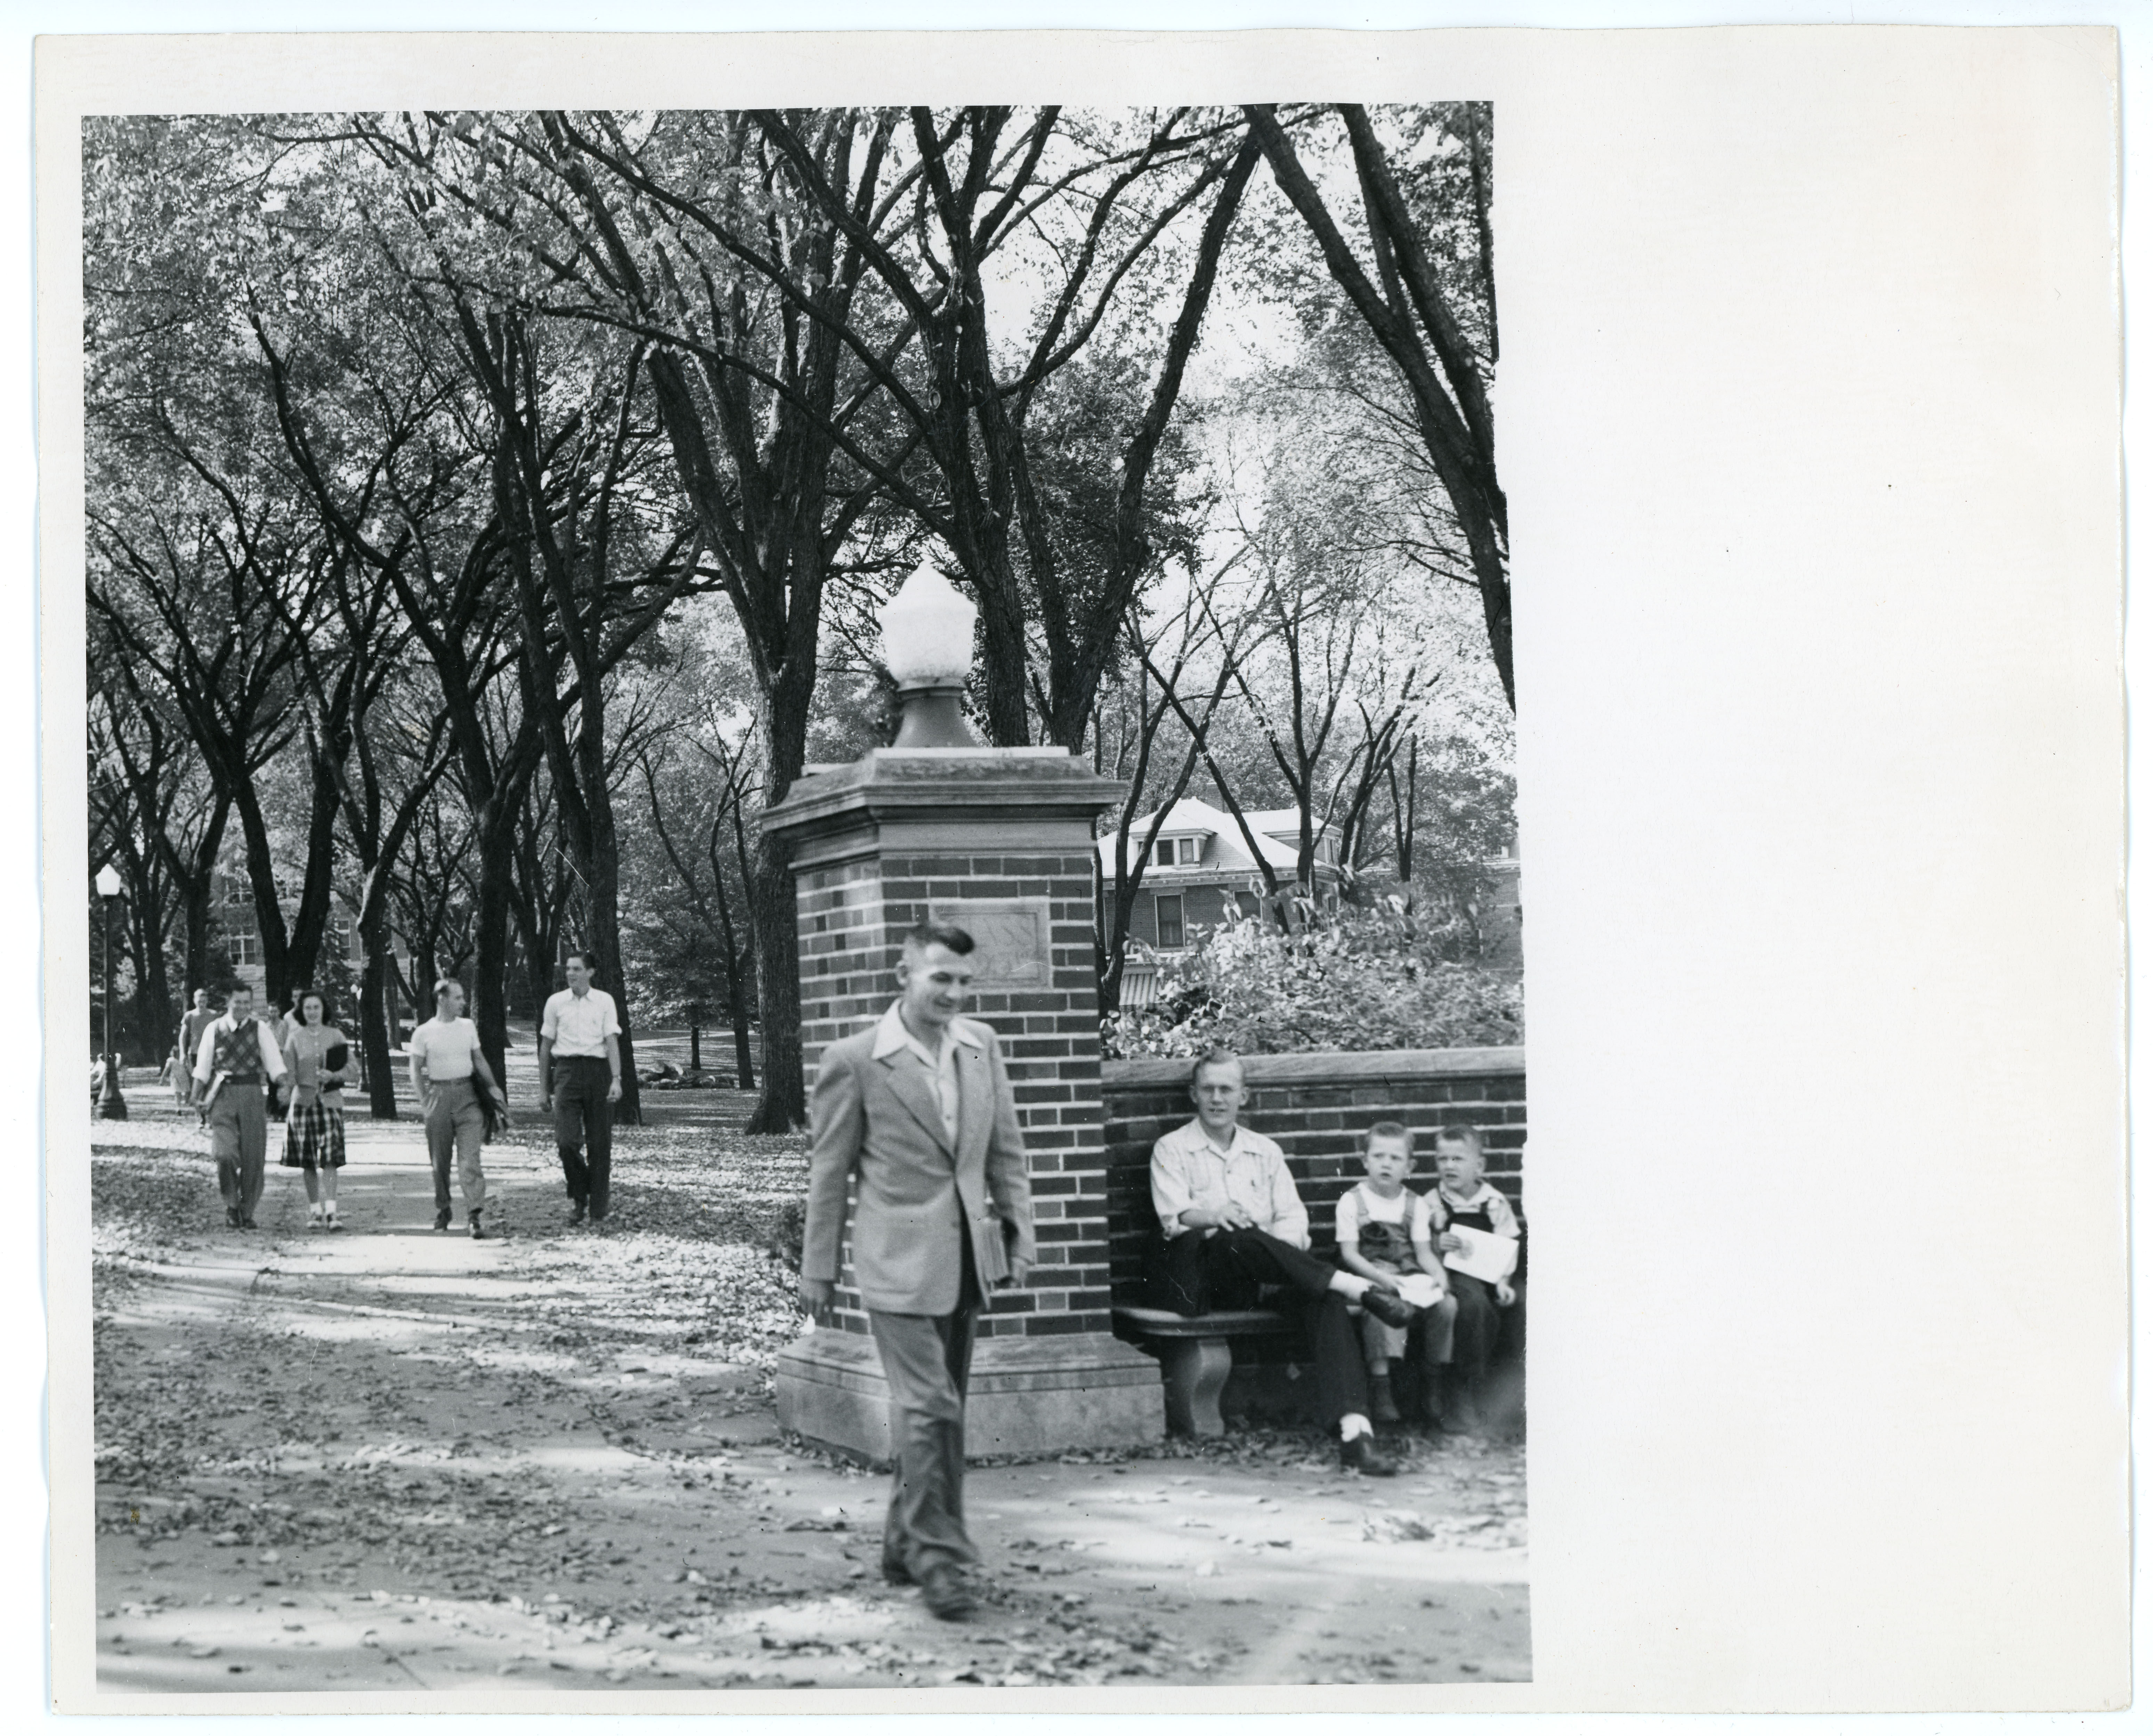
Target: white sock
1353,1426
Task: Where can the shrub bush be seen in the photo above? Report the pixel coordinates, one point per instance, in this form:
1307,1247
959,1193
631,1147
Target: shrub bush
1345,979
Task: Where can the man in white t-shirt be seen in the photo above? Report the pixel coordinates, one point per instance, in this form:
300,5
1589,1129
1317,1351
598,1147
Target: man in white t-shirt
447,1071
579,1072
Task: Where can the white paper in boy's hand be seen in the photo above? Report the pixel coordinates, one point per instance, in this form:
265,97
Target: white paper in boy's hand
1420,1288
1487,1256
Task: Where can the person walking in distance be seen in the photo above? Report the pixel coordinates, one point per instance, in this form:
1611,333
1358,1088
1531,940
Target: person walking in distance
235,1059
447,1073
579,1072
920,1109
317,1054
193,1022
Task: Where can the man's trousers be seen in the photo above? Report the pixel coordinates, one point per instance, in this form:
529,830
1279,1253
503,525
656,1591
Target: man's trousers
239,1140
582,1117
1195,1272
456,1127
927,1359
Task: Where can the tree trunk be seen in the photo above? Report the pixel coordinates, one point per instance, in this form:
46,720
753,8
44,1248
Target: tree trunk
784,1103
152,993
375,1008
735,988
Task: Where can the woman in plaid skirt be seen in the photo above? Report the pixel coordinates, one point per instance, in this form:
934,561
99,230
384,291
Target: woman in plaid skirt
318,1059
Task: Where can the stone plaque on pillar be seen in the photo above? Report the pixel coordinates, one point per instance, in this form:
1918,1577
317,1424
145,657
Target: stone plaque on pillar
1012,938
998,842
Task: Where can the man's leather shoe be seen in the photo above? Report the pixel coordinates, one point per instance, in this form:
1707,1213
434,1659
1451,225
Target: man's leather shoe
942,1588
1360,1454
1388,1306
477,1229
575,1214
232,1217
895,1572
441,1219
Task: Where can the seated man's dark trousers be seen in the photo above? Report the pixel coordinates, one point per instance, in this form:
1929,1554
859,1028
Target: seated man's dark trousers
928,1359
581,1115
1193,1273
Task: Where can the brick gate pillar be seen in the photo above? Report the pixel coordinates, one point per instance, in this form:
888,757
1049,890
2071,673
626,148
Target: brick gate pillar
998,842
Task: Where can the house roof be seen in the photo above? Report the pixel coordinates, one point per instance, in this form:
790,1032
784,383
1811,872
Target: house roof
1231,850
1282,823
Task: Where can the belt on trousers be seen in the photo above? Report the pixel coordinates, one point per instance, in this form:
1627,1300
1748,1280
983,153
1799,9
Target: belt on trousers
587,1060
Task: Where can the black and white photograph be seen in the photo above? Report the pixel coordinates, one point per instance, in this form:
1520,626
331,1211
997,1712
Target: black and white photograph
804,941
788,784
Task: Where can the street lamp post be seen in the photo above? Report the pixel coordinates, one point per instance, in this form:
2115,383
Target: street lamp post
111,1105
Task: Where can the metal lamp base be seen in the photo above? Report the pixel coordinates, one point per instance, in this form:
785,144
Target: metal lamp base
111,1106
933,718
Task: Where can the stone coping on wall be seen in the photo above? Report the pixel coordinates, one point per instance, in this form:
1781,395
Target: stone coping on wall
1321,1068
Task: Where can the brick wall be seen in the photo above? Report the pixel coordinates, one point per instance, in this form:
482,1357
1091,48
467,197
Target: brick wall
1316,1107
854,916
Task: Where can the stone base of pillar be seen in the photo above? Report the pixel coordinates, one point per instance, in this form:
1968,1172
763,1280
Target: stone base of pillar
1028,1395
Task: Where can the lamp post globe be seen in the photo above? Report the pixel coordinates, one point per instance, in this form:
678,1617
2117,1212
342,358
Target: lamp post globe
927,646
111,1105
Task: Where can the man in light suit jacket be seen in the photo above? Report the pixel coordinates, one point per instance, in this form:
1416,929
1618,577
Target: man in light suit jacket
919,1107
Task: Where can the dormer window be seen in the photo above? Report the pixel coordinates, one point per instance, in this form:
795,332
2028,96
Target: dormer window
1191,849
1177,851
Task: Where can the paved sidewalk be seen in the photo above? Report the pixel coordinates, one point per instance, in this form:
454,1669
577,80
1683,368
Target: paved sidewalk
389,1459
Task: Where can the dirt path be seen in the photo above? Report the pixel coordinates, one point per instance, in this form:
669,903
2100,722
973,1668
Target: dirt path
388,1457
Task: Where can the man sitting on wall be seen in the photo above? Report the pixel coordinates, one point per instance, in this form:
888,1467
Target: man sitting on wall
1231,1221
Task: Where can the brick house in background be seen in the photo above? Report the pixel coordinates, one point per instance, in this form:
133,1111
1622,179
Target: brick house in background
232,899
1502,916
1201,869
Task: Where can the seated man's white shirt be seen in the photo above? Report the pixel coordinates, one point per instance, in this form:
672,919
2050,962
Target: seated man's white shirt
580,1024
1189,1173
891,1034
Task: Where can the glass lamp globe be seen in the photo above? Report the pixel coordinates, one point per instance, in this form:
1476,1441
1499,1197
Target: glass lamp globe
108,882
927,632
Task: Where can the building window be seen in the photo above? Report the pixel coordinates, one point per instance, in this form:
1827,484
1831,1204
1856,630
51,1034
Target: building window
1170,921
1191,849
245,949
1162,853
339,938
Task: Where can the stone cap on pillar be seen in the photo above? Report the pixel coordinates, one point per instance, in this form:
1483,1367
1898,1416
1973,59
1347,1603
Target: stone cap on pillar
1044,794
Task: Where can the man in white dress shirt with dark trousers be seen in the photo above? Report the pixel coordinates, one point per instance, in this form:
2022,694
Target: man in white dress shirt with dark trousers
919,1107
1232,1227
579,1069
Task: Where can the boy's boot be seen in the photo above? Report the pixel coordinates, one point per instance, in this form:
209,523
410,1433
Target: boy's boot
1446,1400
1382,1407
